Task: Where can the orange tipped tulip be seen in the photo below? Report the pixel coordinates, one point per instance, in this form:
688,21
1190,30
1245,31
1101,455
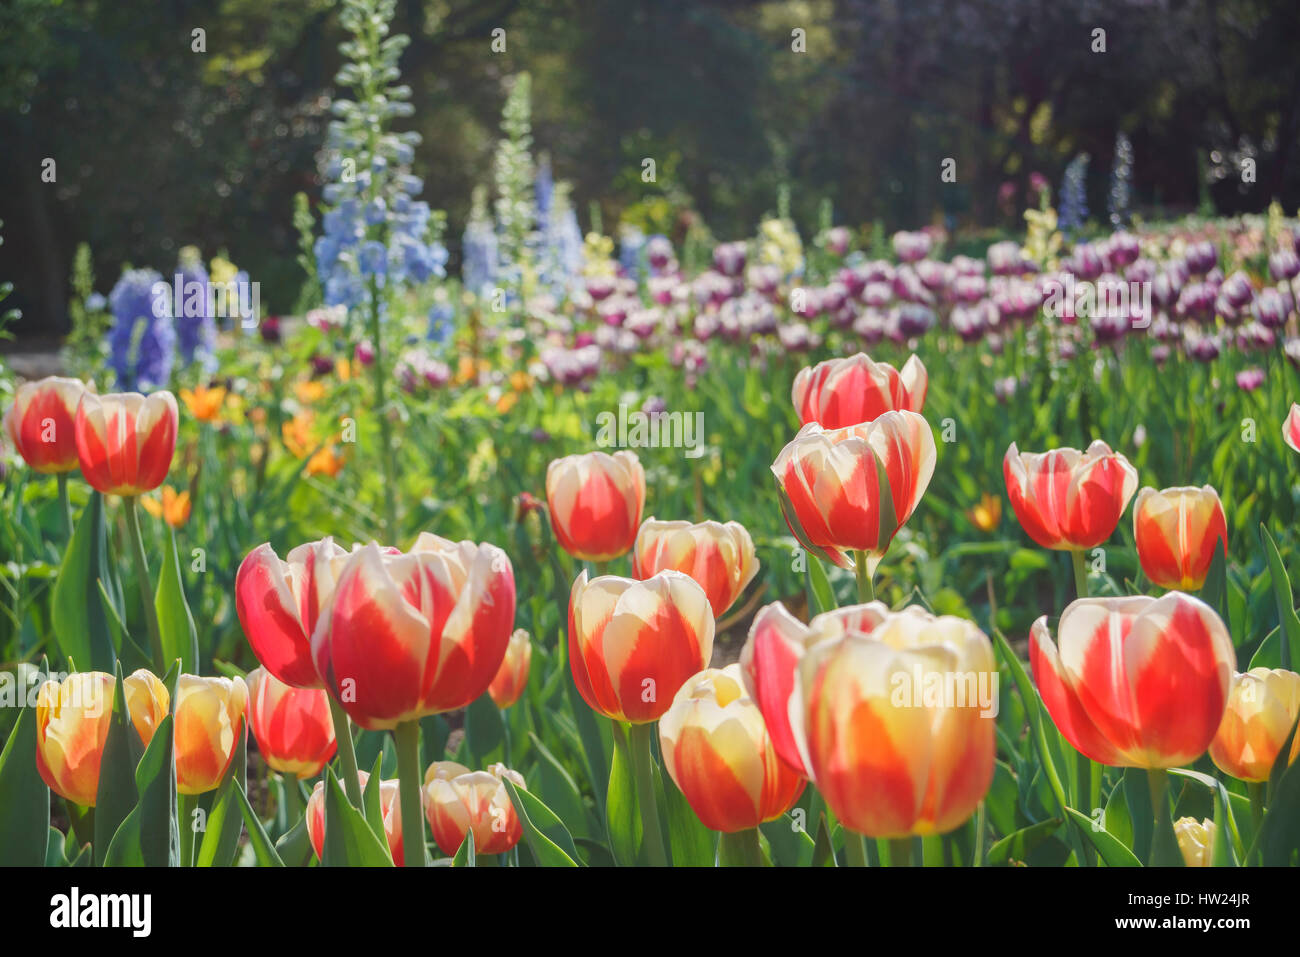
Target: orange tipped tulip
125,442
1135,682
720,755
407,635
1262,706
595,501
512,677
292,726
719,557
632,644
456,803
899,722
42,423
852,489
209,726
839,393
1066,499
1177,532
389,805
72,722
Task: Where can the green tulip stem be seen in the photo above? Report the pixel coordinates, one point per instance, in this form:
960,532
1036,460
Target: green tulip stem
855,849
643,770
1080,563
347,753
186,805
407,735
741,849
1164,845
65,503
866,587
144,582
900,852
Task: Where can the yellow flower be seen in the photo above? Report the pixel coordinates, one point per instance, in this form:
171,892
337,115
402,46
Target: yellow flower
204,403
326,462
174,508
343,368
521,381
297,435
987,514
309,390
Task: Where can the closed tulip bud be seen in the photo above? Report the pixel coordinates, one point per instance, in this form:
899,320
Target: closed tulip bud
852,489
477,801
1196,840
125,442
72,721
595,501
1291,427
719,557
1066,499
1135,682
42,423
839,393
898,722
720,755
1178,531
147,702
632,644
292,726
390,808
417,633
1262,707
279,604
512,677
209,726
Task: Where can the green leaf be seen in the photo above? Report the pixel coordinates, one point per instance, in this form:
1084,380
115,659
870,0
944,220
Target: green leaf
148,836
819,587
116,794
558,784
1215,590
263,850
485,732
1137,795
465,856
24,798
372,805
1016,846
1108,846
691,843
546,835
77,617
1290,648
180,638
622,817
823,849
294,846
349,841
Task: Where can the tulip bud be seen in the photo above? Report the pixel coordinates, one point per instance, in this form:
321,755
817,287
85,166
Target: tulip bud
390,807
72,721
852,489
209,726
898,722
512,677
125,442
477,801
42,423
632,644
1196,840
1135,682
720,558
147,702
839,393
1291,427
1178,531
595,502
279,604
1066,499
718,752
1262,707
292,726
407,635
